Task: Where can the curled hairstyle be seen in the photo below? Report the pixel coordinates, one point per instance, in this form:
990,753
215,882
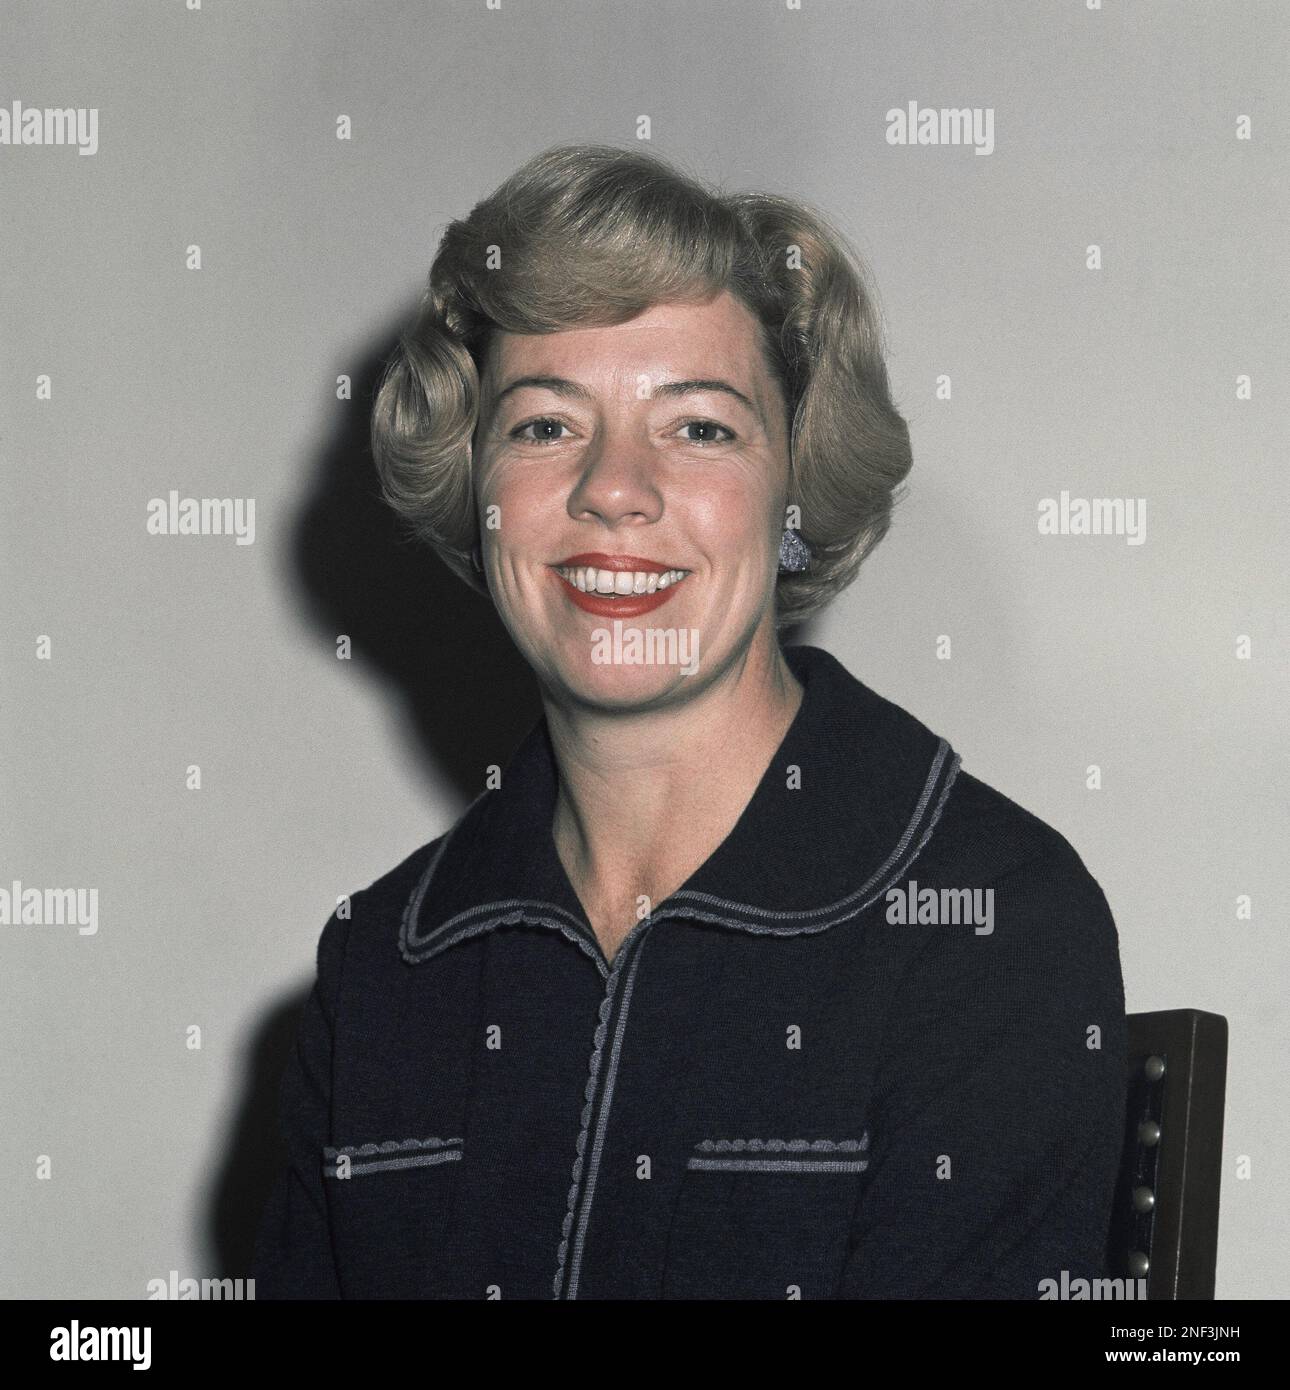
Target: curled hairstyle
591,235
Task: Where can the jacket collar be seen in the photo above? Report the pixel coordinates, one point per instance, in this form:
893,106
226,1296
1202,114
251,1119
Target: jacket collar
812,848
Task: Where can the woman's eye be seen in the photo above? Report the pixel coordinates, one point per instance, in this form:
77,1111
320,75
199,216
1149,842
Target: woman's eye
544,427
708,427
547,430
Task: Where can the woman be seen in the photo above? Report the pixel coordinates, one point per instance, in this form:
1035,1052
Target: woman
736,986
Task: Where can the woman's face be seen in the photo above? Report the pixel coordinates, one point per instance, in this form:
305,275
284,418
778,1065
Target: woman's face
631,484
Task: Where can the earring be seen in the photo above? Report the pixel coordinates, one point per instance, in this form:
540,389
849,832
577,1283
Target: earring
794,554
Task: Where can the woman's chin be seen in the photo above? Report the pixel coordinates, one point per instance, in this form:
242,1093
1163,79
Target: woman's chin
613,678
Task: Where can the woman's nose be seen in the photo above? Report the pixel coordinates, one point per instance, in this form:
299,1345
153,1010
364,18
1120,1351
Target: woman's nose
618,479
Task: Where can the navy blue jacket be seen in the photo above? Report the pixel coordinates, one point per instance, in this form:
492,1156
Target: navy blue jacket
873,1048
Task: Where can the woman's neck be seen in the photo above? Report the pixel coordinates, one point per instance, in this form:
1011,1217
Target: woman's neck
646,797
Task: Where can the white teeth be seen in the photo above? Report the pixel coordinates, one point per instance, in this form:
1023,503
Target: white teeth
620,582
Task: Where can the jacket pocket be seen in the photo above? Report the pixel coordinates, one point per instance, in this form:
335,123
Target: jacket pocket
391,1156
390,1203
764,1218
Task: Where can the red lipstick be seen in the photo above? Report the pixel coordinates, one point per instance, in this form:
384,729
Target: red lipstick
615,605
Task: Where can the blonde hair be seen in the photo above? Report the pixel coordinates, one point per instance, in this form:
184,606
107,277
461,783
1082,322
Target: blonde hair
590,235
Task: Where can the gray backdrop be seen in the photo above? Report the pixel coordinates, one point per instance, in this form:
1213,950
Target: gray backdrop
126,374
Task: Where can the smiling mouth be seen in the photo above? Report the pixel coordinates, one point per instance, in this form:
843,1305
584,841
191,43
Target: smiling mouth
617,586
618,583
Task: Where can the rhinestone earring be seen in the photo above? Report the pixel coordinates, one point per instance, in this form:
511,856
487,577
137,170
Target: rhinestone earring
794,554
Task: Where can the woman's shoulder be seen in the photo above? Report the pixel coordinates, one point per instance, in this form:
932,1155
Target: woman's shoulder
366,922
1038,910
389,894
950,824
984,827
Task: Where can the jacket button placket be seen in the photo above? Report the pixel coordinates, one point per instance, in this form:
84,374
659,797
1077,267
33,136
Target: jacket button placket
602,1071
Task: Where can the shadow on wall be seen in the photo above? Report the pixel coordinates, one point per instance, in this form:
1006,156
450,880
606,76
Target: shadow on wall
446,659
255,1152
451,671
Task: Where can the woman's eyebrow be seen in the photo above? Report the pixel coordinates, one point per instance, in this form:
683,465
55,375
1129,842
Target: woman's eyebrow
562,386
685,388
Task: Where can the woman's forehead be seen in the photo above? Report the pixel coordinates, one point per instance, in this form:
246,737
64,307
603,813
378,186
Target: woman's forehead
718,337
